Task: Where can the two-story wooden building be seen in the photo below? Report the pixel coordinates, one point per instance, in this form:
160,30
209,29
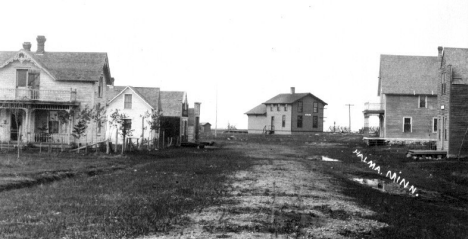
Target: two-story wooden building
292,113
452,107
42,92
408,98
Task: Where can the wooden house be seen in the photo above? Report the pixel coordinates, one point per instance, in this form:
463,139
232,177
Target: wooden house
42,93
452,107
174,110
408,98
205,128
292,113
136,103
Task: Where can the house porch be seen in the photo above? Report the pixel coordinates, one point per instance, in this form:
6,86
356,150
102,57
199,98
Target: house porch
36,123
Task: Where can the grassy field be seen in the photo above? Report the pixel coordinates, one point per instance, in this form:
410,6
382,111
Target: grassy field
249,186
149,195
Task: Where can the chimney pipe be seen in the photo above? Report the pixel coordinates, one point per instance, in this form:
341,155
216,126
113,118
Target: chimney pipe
440,49
293,90
40,44
27,46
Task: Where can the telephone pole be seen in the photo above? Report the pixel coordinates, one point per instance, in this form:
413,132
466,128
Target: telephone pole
349,107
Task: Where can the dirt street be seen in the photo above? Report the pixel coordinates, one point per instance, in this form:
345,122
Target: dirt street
285,195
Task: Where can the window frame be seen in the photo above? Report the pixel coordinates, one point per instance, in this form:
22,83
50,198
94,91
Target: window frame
126,102
316,107
435,127
100,87
285,107
271,107
411,124
283,121
425,101
300,107
315,122
301,121
17,77
444,129
444,84
278,107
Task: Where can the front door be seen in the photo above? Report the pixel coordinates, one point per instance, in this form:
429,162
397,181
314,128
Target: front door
15,125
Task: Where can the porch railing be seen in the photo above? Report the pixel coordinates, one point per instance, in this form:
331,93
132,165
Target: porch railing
373,106
39,95
50,138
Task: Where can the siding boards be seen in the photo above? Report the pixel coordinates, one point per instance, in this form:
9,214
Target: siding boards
399,106
458,119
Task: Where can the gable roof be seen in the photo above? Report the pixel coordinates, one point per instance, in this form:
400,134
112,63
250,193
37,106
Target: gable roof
458,58
149,94
204,123
290,98
257,110
66,66
408,74
171,102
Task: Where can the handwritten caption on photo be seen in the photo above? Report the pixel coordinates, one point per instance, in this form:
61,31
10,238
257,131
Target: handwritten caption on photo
391,175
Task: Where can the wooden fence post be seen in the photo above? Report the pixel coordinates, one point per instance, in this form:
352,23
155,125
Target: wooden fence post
107,147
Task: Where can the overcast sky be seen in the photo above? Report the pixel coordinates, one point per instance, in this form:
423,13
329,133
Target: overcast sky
246,51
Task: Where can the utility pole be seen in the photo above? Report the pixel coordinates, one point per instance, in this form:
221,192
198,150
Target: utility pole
216,121
349,107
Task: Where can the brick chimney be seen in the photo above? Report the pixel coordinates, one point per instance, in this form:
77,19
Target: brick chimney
440,50
40,44
196,108
293,90
27,46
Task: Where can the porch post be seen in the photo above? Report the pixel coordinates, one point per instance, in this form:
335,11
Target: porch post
366,124
28,123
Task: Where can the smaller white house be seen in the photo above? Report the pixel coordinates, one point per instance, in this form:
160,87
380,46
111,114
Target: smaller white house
134,102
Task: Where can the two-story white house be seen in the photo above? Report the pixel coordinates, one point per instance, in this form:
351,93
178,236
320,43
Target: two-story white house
42,92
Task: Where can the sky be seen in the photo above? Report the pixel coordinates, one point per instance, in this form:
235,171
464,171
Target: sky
234,55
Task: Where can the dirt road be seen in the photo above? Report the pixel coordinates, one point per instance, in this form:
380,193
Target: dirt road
285,195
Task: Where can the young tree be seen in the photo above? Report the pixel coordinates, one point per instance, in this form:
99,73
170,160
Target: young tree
83,118
122,123
99,117
18,116
154,122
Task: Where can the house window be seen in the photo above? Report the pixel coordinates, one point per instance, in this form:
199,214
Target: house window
100,88
315,122
299,107
299,121
445,128
271,107
128,101
285,107
283,121
444,85
127,124
422,102
315,107
434,125
278,107
53,122
407,127
21,77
